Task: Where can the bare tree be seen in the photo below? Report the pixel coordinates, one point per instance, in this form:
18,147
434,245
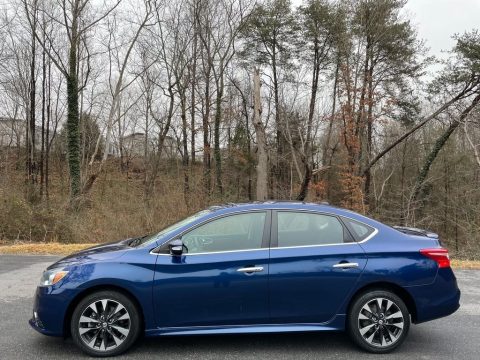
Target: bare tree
219,25
171,49
77,19
262,153
117,81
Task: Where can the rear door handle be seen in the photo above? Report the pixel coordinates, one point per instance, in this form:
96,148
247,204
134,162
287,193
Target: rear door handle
346,265
251,269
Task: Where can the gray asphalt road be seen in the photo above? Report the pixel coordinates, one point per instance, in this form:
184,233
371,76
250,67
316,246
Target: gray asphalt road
454,337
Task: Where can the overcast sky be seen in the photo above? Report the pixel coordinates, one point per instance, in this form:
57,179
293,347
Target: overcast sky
437,20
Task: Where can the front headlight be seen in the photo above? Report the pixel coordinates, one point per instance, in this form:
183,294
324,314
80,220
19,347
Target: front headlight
51,277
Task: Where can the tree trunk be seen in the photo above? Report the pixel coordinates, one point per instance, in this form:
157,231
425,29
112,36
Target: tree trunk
249,149
368,175
31,125
193,84
306,156
262,166
412,130
185,160
419,192
73,140
47,135
218,119
326,148
249,145
206,137
280,166
42,150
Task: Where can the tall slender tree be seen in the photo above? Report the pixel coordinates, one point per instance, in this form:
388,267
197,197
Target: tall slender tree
319,23
270,36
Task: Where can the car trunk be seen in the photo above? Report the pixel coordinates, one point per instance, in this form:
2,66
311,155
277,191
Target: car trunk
419,232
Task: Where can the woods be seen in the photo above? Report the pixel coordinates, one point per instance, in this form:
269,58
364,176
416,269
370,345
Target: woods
119,117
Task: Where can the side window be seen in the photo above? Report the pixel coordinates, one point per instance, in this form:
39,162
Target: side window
359,230
303,229
235,232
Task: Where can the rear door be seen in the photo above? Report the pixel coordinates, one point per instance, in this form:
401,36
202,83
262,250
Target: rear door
314,265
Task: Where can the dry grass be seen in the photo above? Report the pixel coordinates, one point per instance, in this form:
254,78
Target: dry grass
43,248
466,264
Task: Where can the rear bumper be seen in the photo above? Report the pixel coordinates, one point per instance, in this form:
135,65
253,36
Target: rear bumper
439,299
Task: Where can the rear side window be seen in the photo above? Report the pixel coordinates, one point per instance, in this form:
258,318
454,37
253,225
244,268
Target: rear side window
360,231
306,229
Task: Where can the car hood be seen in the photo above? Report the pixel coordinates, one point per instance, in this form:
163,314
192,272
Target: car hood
101,252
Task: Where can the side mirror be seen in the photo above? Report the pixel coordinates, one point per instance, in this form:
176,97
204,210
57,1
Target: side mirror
176,247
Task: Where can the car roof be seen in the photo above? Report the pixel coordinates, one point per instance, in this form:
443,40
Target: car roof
282,205
267,204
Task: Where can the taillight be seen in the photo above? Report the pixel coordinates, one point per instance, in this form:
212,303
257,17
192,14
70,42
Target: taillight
440,255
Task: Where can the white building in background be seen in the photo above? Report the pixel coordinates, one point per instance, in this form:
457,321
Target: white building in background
13,133
134,146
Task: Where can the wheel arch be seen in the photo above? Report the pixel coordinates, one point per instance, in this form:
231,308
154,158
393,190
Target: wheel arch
394,288
95,288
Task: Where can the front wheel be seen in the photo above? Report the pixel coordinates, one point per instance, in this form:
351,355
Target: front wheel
105,323
378,321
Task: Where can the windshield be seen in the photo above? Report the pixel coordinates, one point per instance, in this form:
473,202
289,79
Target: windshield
170,229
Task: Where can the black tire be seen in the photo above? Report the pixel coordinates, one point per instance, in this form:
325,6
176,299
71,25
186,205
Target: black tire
127,320
383,329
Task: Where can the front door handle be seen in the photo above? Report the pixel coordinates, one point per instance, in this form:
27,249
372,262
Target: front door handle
346,265
250,269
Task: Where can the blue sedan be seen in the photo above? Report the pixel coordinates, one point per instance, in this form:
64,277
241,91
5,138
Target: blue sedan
251,268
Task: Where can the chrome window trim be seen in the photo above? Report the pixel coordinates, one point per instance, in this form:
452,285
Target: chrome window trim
215,252
375,232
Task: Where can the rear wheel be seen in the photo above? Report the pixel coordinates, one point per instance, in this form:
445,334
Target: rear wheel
378,321
105,323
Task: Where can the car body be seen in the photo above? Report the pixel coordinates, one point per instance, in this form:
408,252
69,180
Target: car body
257,267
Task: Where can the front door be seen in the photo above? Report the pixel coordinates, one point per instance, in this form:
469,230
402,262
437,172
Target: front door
222,277
314,264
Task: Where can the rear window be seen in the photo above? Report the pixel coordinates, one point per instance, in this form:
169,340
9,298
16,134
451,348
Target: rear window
359,230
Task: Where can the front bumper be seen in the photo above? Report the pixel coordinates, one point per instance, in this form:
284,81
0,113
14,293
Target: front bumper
49,310
439,299
37,325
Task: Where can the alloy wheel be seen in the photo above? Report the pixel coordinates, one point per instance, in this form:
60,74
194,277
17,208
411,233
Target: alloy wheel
380,322
104,325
